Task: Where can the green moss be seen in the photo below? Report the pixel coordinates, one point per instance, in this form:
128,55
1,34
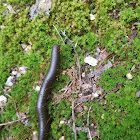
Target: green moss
18,29
121,112
58,113
19,3
74,17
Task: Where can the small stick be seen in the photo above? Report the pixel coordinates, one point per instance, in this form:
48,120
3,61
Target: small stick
59,34
78,62
69,86
12,121
66,90
73,118
71,43
78,105
88,117
88,125
89,134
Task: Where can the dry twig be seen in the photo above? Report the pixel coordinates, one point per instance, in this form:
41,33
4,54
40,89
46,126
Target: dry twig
59,34
78,62
88,117
69,86
73,118
12,121
88,124
66,91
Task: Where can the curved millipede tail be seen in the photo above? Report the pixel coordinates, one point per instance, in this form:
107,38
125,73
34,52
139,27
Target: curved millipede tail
44,93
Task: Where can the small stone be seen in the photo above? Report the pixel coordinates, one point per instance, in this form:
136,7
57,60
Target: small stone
138,94
23,46
34,132
61,122
35,137
129,76
135,70
91,61
9,81
10,8
2,27
95,95
102,116
62,138
80,95
3,101
92,17
28,49
22,70
37,88
14,72
83,74
92,124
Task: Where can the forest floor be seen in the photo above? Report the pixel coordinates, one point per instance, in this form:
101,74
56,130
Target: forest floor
96,94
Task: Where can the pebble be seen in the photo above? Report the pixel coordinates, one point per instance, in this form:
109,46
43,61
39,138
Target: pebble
138,94
9,81
3,100
91,61
14,72
83,74
92,17
102,116
2,27
37,88
61,122
129,76
34,132
28,49
23,46
22,69
62,138
95,95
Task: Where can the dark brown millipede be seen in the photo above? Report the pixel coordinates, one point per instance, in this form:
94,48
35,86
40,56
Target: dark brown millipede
45,90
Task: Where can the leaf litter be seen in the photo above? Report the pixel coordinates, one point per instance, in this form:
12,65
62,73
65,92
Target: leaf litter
85,90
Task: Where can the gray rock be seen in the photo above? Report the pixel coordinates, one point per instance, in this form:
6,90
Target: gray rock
14,73
9,81
138,94
3,101
39,6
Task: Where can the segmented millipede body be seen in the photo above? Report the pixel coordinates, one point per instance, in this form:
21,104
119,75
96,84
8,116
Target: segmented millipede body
45,91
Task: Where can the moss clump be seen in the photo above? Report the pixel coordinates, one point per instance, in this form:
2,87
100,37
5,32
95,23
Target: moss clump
74,17
18,29
121,112
19,3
